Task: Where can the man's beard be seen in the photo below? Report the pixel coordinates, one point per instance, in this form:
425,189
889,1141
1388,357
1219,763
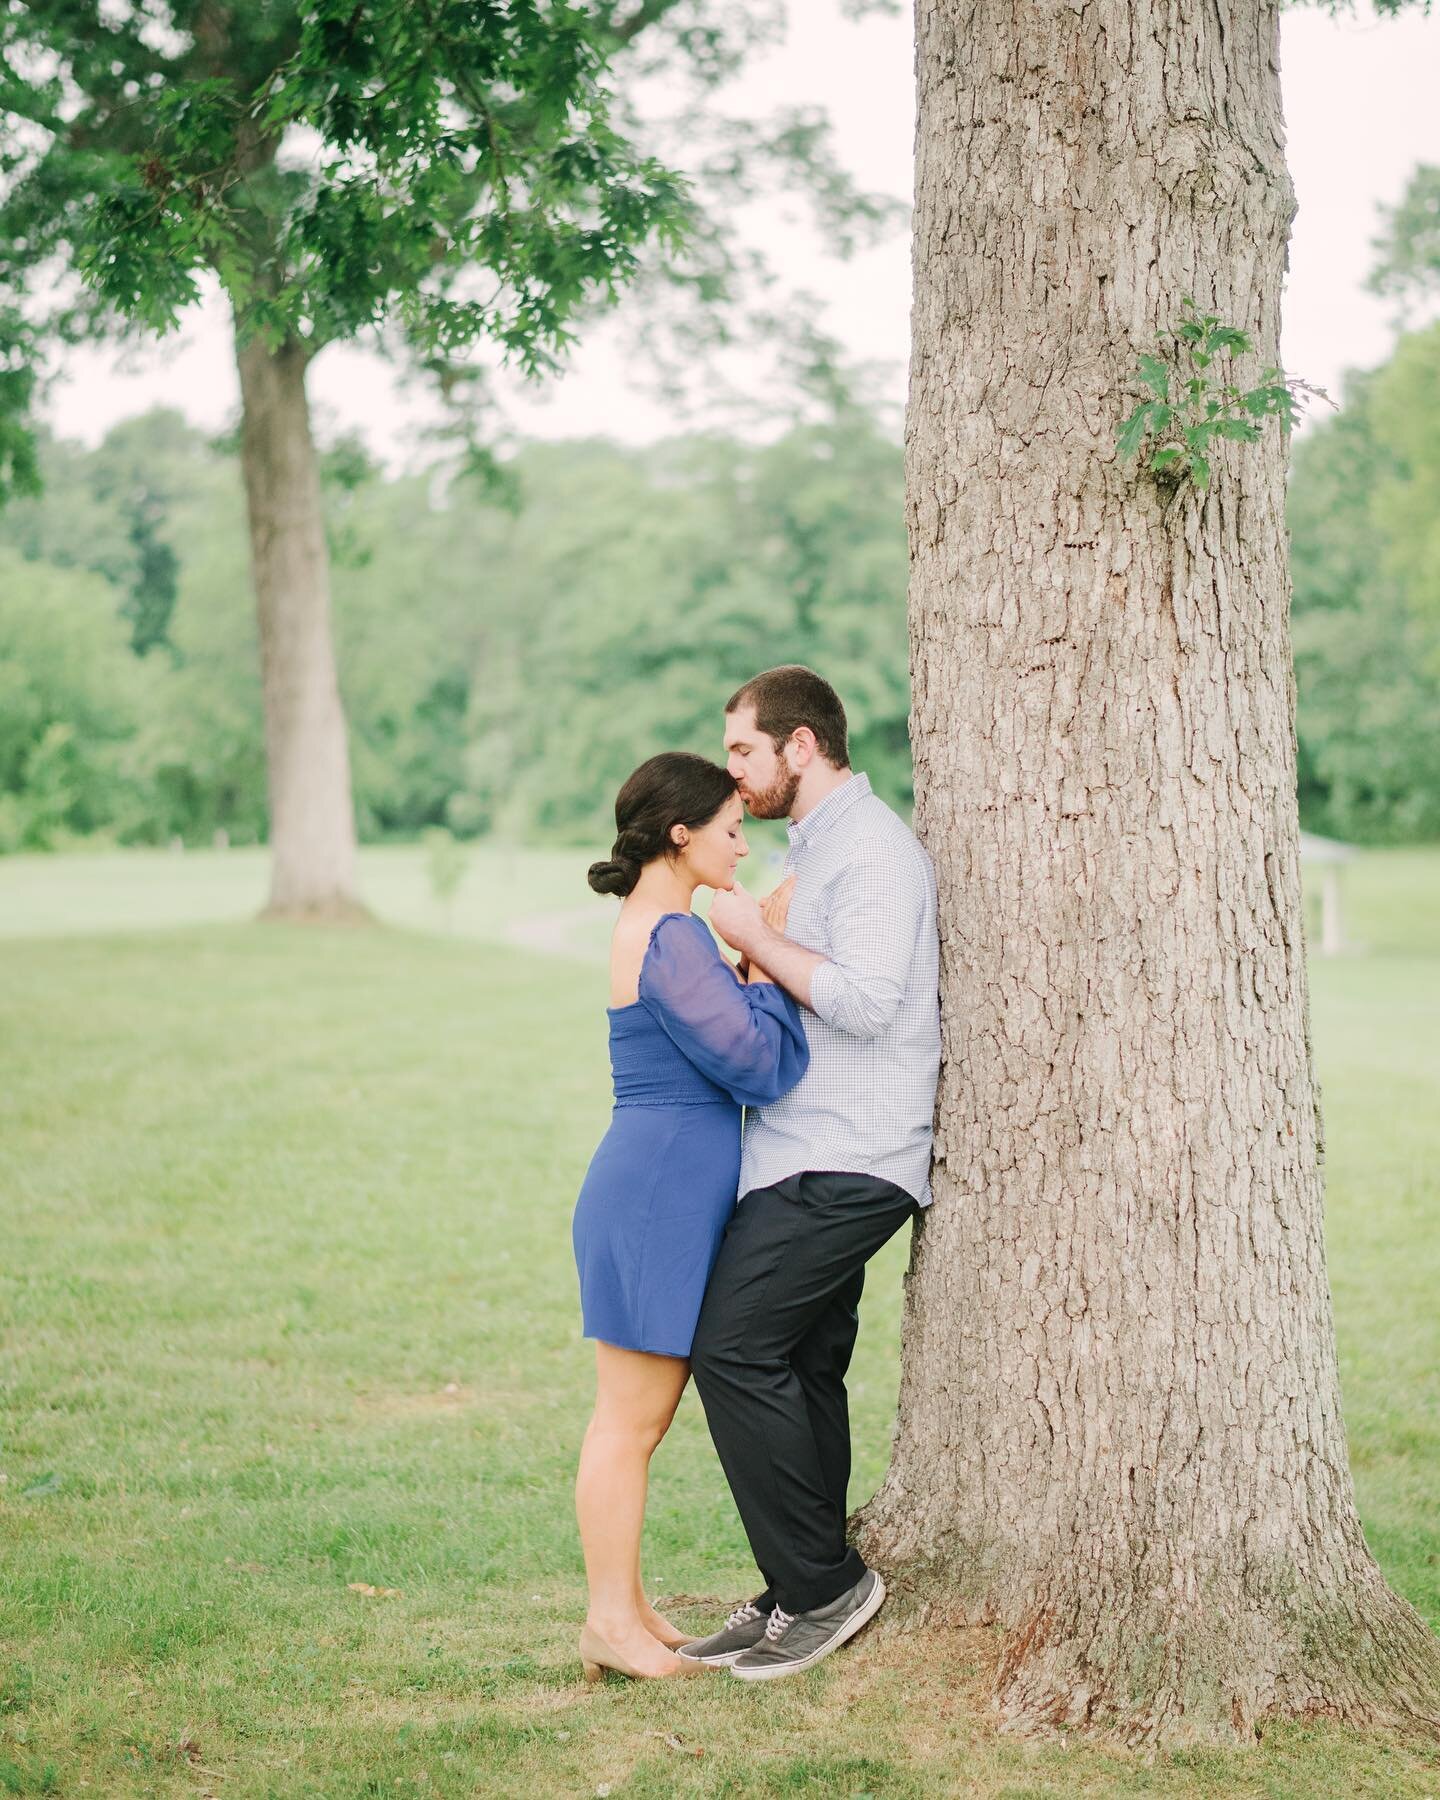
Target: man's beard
778,798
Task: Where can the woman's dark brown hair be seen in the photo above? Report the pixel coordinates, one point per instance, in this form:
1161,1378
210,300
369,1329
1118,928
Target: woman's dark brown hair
674,788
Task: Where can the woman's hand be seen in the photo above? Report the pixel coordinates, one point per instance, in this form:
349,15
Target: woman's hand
775,907
775,910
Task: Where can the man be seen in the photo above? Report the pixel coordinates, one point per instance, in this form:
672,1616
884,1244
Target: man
828,1174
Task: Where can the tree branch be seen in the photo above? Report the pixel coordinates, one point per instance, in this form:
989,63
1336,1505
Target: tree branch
648,13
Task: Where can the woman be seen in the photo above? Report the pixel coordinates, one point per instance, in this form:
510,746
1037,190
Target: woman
691,1043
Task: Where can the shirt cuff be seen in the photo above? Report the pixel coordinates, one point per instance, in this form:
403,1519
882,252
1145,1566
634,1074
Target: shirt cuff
827,985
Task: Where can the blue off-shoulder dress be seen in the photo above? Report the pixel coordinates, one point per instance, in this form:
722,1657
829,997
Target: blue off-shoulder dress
696,1047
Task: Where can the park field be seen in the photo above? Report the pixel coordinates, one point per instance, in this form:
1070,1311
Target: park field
293,1380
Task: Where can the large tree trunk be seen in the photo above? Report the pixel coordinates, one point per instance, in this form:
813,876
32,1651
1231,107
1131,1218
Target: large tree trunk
1120,1435
312,819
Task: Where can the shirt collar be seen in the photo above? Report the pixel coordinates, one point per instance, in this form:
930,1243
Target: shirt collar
832,807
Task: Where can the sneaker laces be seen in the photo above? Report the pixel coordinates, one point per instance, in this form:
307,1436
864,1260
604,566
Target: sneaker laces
742,1615
780,1623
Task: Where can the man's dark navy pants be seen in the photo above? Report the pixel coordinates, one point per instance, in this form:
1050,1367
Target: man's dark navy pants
771,1350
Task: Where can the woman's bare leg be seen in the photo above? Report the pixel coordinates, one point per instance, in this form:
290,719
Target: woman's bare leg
635,1399
657,1624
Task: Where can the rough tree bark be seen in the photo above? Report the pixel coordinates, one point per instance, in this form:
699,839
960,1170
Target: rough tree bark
312,819
1120,1435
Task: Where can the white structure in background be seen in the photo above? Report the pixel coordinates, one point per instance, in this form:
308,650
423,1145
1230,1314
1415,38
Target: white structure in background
1328,856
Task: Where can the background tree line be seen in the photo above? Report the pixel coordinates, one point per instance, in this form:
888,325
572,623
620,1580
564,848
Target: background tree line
505,663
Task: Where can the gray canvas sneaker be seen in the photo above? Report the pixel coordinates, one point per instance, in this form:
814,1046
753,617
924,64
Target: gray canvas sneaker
794,1642
741,1632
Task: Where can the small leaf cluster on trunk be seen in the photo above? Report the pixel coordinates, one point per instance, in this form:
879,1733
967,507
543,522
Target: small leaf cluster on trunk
1191,409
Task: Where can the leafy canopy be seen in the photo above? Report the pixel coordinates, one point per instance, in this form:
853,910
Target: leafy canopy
449,167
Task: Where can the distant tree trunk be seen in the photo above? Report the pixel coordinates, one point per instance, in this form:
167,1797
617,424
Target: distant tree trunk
312,820
1120,1435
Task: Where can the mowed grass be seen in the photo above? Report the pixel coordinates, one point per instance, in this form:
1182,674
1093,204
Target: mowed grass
501,890
144,890
288,1305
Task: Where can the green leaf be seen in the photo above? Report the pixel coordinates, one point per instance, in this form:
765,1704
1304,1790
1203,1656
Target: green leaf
1133,432
1241,430
1162,459
1156,375
1200,472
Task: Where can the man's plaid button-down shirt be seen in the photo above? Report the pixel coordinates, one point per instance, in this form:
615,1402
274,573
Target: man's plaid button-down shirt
865,899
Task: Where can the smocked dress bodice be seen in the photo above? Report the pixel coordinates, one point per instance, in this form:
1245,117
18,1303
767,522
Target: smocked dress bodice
696,1047
648,1068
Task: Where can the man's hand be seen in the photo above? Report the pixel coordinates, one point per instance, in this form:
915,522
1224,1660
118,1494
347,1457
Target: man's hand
736,915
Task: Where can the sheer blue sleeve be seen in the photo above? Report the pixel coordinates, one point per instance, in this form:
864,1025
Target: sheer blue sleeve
748,1040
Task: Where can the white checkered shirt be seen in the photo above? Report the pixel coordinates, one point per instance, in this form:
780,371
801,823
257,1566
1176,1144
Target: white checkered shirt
865,899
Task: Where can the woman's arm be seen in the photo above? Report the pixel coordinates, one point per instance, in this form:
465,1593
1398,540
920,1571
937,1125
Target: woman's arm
748,1039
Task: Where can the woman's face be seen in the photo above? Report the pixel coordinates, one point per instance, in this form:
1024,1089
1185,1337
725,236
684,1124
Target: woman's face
715,849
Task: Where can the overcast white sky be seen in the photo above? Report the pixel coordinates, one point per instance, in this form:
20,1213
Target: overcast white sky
1361,108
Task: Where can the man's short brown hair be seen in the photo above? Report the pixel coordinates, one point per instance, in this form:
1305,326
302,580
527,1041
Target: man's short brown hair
791,696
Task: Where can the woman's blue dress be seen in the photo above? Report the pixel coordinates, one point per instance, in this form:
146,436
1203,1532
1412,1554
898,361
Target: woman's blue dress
696,1047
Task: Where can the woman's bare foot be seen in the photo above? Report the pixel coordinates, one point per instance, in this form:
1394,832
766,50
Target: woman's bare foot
661,1629
634,1650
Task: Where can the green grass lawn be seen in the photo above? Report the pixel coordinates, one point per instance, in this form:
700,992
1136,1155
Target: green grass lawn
287,1304
500,889
146,890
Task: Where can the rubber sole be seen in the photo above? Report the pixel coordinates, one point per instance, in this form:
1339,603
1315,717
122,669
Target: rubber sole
842,1636
714,1662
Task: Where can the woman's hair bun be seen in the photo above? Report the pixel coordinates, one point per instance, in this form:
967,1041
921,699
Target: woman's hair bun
618,876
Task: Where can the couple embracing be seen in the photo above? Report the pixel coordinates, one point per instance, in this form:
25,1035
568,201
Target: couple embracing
739,1257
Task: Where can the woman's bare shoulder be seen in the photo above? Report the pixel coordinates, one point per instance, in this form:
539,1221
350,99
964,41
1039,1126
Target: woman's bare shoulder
634,925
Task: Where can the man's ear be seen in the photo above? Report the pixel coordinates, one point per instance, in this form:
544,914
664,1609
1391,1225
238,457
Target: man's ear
803,738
